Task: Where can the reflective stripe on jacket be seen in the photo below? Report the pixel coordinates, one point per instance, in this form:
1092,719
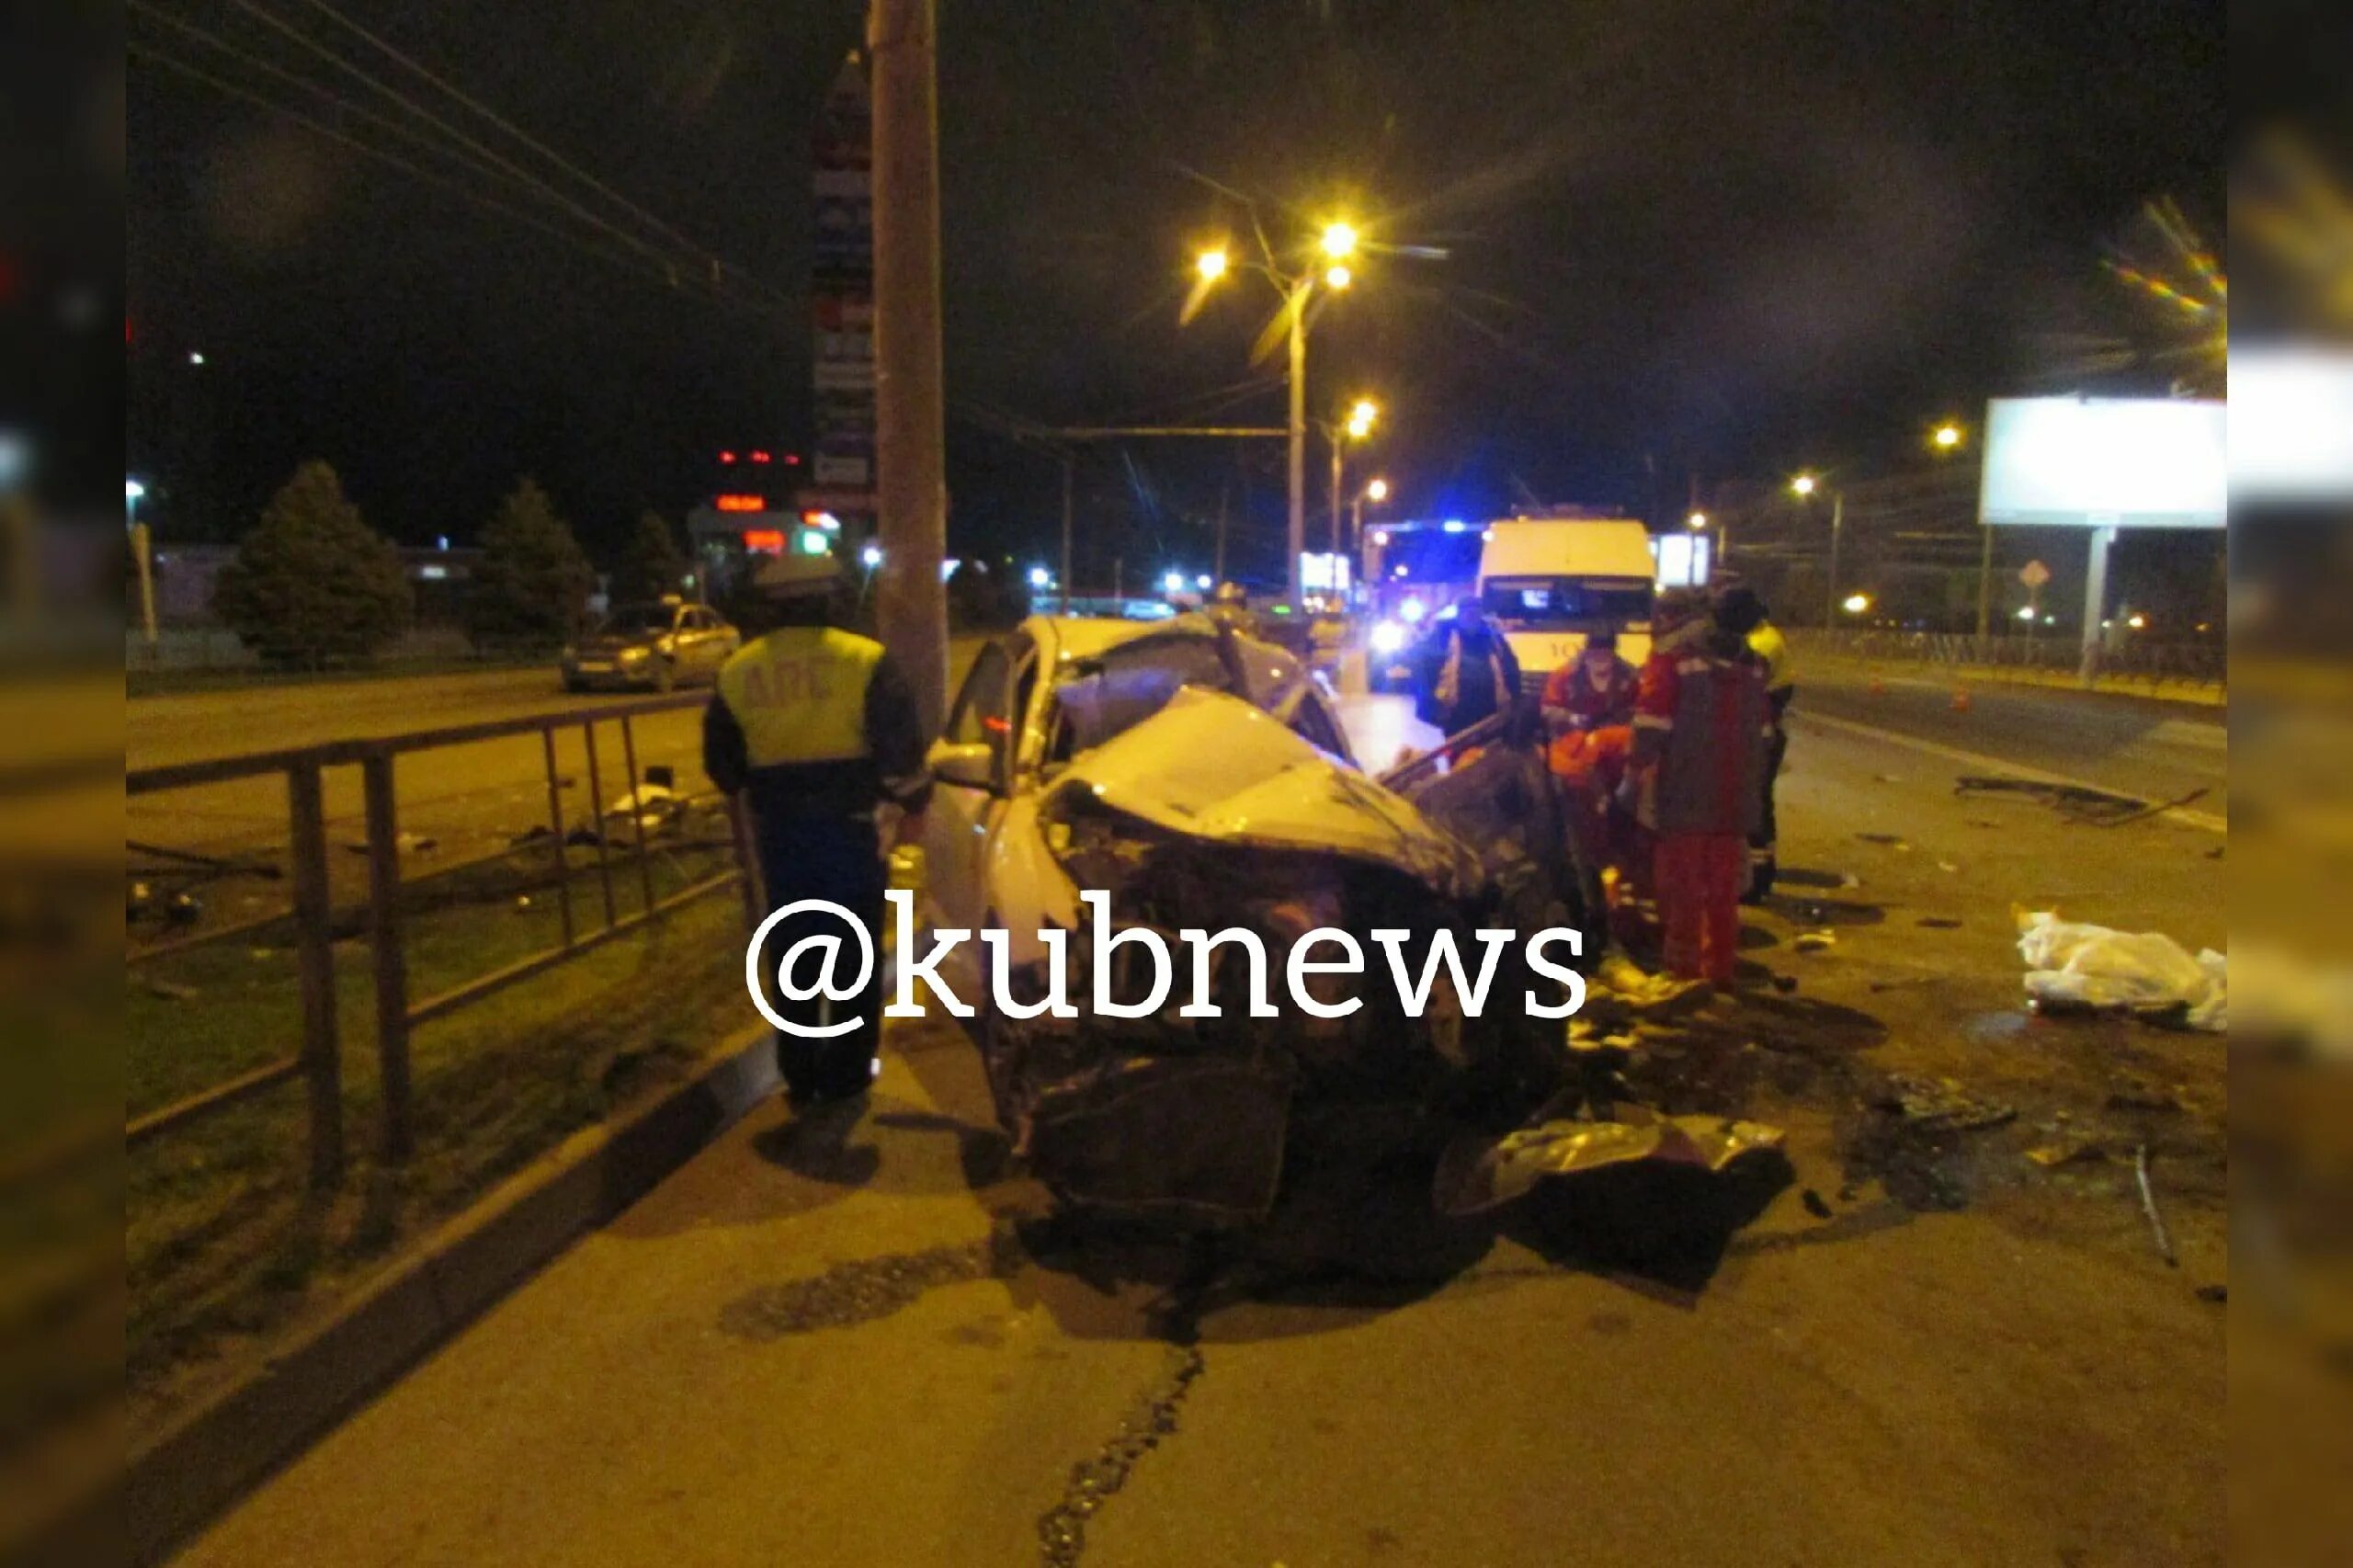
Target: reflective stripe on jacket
799,695
1700,723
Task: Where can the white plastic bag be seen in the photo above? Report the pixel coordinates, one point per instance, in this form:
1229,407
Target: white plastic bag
2093,966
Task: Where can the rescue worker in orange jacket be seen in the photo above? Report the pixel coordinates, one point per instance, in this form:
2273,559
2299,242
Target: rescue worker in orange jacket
815,727
1593,692
1701,726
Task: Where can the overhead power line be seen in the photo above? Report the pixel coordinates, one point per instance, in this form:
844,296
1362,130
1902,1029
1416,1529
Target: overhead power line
368,78
542,148
431,177
481,166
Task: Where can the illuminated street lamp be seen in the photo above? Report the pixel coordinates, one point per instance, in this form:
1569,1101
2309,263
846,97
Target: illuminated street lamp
1375,491
1336,243
142,557
1858,602
1695,522
1803,487
1948,436
1362,415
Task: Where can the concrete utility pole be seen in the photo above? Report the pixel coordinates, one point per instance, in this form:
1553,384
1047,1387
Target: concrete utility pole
911,603
1295,536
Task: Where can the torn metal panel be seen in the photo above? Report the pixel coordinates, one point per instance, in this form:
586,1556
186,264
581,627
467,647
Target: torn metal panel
1474,1179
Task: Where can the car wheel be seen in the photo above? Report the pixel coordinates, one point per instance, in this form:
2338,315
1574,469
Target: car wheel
574,685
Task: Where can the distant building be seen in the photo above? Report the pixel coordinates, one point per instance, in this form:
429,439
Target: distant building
186,576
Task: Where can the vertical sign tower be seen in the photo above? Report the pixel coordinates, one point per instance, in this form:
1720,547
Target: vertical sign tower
841,294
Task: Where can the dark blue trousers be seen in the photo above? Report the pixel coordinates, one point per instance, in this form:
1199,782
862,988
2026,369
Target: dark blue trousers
838,860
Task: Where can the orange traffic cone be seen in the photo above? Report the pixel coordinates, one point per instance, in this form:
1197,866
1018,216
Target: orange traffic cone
1960,700
1879,686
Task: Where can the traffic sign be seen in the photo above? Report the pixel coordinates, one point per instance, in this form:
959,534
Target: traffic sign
2034,574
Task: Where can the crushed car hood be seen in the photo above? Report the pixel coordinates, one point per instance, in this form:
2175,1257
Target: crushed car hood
1211,767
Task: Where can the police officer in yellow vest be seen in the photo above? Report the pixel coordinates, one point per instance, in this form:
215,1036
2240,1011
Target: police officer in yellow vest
816,728
1740,611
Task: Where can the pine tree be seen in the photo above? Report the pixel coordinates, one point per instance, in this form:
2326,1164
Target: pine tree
530,588
311,584
651,566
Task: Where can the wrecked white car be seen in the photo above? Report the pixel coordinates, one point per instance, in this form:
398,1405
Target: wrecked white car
1202,780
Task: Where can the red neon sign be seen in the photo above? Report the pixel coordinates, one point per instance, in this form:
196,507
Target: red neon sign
764,541
743,503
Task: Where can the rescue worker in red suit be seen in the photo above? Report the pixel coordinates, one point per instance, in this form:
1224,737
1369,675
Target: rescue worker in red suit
816,728
1701,727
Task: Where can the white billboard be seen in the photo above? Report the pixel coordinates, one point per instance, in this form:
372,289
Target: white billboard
2105,463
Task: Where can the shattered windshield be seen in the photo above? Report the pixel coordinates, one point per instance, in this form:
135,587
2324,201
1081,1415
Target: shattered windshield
1105,697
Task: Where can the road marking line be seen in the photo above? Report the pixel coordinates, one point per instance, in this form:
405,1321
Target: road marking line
2205,821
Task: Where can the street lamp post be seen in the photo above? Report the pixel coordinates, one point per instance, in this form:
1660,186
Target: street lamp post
1376,492
1362,414
1338,243
143,556
1803,486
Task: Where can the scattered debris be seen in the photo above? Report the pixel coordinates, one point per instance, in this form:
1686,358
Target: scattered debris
2218,1294
1946,866
1785,984
1475,1178
404,843
534,833
652,804
1618,979
1943,1105
1892,840
2091,966
1937,923
2157,1231
170,991
584,838
2077,802
2139,1094
2066,1151
1584,1037
1889,778
1815,941
1848,880
1813,1204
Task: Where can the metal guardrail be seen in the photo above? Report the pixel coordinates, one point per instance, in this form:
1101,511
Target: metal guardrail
2197,663
319,1061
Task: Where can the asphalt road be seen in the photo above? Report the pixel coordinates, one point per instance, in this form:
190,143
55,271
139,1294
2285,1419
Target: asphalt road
1927,1351
2156,751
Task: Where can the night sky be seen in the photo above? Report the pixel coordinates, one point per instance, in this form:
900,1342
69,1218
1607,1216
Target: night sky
1727,237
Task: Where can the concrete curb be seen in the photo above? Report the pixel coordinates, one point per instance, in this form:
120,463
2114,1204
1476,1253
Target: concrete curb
183,1476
